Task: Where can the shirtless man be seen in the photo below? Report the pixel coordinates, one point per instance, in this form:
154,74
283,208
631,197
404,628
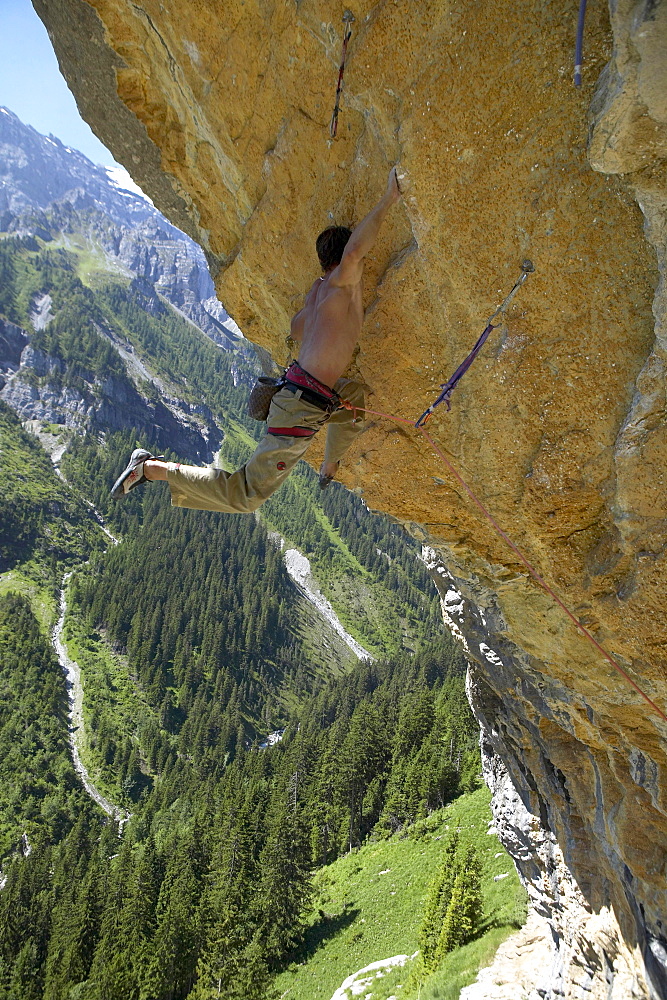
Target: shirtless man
327,328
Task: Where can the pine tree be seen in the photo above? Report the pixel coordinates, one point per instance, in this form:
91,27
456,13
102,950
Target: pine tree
173,961
285,887
465,907
25,980
111,969
437,904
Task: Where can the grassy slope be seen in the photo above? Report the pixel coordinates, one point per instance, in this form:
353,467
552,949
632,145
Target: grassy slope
371,613
107,685
42,600
361,915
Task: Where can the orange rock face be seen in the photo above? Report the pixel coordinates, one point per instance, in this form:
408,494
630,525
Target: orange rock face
221,112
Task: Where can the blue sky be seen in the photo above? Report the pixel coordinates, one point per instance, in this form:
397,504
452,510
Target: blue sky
31,84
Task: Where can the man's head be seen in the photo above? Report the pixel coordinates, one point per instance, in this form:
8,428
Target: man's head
330,245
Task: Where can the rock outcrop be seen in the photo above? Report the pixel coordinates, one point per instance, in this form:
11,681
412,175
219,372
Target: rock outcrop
12,341
35,390
222,116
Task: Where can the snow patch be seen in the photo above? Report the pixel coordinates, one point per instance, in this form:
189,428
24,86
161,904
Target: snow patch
120,178
354,985
298,567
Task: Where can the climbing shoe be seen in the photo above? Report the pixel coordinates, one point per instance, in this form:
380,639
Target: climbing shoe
133,474
325,481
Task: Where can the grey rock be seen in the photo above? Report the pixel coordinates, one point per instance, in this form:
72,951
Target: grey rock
564,850
12,342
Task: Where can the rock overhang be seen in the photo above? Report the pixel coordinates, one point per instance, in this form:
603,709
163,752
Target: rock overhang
223,118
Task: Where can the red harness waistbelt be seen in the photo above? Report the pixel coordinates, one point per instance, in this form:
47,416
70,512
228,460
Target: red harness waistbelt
297,432
299,376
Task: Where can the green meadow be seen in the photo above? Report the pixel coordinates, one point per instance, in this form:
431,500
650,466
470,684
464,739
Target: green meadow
369,907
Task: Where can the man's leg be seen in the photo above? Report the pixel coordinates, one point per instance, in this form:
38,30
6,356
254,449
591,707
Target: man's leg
344,426
246,489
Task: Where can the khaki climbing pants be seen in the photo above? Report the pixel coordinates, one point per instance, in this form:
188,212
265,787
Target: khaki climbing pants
274,458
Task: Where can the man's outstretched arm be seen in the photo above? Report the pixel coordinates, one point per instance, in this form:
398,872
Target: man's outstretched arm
363,236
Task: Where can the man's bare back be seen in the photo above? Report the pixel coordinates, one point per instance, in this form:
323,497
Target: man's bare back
332,317
329,324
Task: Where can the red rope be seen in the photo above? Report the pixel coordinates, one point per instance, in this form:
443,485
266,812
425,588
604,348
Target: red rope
531,569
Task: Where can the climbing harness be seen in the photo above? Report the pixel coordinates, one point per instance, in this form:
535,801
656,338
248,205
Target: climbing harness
348,18
579,46
447,387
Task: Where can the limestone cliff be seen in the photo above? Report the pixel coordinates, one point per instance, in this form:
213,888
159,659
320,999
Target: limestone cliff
221,112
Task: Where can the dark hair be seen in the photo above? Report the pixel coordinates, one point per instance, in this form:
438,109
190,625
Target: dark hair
330,245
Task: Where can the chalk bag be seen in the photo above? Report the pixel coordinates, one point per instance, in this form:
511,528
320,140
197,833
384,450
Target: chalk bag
263,391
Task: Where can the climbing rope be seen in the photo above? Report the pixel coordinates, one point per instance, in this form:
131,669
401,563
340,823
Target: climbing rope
348,18
579,46
447,387
508,541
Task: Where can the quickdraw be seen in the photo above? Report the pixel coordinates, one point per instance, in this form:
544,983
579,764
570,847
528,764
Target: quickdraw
348,18
579,47
447,387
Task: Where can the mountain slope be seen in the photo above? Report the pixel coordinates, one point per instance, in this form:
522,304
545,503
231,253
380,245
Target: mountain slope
57,194
44,527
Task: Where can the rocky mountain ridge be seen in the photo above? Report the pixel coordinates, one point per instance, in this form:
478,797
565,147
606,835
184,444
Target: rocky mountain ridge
52,196
49,191
31,382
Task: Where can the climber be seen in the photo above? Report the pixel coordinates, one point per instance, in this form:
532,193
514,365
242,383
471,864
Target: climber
327,329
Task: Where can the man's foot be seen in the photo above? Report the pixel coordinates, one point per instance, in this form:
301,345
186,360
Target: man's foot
133,474
328,473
